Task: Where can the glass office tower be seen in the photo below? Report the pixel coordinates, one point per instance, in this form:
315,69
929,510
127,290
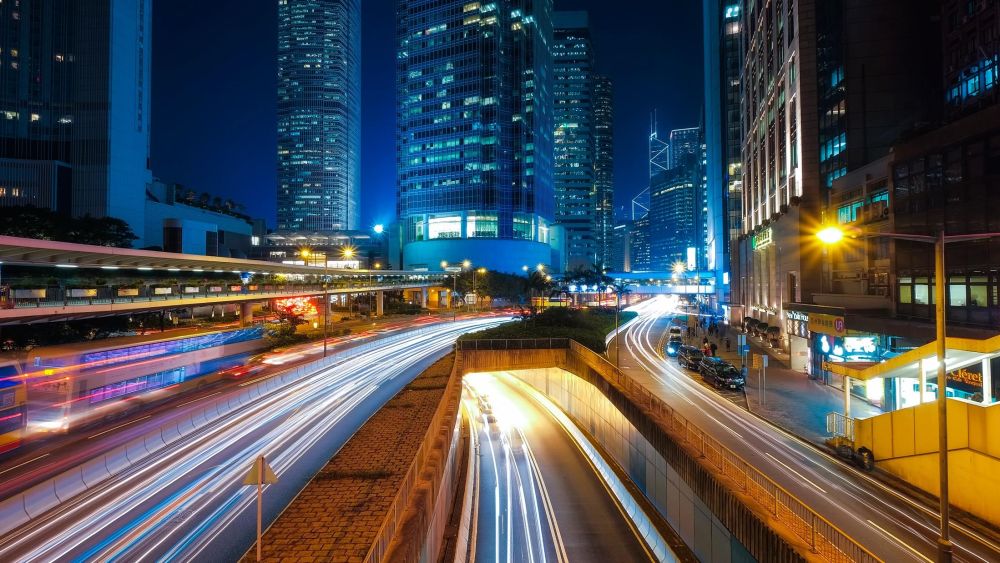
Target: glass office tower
475,132
319,115
75,107
604,167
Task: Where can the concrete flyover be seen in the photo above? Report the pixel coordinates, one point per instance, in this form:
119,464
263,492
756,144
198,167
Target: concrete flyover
43,302
723,508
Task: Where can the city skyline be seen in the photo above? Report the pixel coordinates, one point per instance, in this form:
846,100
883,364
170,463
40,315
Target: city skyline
243,138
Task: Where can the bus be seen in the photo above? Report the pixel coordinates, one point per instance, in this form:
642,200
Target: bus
72,390
13,406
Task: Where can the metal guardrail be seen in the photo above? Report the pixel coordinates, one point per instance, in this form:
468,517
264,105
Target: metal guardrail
840,426
823,537
514,344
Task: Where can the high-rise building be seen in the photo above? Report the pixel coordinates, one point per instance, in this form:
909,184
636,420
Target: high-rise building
475,132
319,115
828,87
723,139
621,248
575,138
685,146
604,164
74,107
674,225
640,248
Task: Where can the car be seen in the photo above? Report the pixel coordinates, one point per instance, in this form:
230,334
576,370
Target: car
674,344
689,357
721,374
675,330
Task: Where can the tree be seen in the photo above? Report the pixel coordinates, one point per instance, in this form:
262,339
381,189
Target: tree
44,224
99,231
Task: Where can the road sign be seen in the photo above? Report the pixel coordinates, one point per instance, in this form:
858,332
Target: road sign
741,340
764,358
259,475
755,361
745,349
253,476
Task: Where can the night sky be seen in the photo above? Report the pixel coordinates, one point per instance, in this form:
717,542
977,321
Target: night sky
215,68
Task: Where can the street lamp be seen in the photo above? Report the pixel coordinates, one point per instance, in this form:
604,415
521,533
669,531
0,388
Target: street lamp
832,235
454,280
475,274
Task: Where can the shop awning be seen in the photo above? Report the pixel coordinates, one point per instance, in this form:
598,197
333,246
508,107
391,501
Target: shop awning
959,352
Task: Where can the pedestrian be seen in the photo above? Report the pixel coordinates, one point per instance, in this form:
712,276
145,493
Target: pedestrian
715,348
727,344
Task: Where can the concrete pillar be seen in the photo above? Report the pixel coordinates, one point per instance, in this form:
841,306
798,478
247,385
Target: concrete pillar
246,313
379,303
423,298
847,396
987,382
434,299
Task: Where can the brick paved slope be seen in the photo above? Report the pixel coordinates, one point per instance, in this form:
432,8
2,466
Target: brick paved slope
338,514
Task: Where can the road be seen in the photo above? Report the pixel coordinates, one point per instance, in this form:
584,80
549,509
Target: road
186,502
539,498
892,526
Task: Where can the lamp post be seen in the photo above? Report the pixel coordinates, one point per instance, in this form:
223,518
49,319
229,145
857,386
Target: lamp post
454,290
833,235
475,294
307,254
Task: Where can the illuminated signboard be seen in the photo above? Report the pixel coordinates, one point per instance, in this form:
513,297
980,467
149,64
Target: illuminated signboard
761,239
968,379
827,324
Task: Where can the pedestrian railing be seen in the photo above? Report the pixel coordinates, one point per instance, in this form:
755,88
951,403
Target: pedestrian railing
840,426
823,537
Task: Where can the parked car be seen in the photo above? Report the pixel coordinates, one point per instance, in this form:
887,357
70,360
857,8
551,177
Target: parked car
674,344
721,374
675,330
689,357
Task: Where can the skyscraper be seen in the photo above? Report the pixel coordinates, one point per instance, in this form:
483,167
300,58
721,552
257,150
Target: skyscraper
685,146
74,106
604,166
673,218
475,132
723,139
319,115
575,137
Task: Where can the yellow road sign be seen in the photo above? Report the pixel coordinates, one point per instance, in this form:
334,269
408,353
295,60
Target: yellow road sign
252,477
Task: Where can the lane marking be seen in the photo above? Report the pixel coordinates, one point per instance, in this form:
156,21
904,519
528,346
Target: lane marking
801,476
901,542
198,399
23,464
113,428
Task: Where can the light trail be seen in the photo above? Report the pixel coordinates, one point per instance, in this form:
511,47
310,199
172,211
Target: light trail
855,499
178,503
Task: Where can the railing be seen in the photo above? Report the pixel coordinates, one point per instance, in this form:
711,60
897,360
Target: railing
53,296
822,536
840,426
514,344
394,516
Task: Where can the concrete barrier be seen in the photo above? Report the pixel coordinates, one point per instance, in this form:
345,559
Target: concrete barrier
154,441
136,450
69,484
116,460
94,471
12,513
169,433
185,427
40,498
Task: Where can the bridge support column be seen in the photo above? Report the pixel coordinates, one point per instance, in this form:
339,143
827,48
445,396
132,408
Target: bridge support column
246,313
847,396
379,303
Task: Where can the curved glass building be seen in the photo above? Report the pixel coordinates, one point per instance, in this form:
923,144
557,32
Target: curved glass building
474,132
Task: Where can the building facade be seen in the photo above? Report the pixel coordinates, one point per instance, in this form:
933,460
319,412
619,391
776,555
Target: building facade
75,106
723,139
604,166
475,132
575,138
319,115
674,227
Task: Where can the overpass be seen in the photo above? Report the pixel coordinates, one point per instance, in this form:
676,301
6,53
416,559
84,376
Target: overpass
223,280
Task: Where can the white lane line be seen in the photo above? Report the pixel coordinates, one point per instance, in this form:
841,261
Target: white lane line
801,476
900,542
23,464
113,428
198,399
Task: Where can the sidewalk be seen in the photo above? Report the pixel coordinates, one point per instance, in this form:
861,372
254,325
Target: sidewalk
790,400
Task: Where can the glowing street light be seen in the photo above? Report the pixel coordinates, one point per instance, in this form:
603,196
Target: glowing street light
378,229
830,235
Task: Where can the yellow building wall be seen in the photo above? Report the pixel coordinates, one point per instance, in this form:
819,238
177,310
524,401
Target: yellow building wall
905,443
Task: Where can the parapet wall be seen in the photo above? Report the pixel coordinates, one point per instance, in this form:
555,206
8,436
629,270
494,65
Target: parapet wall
722,507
